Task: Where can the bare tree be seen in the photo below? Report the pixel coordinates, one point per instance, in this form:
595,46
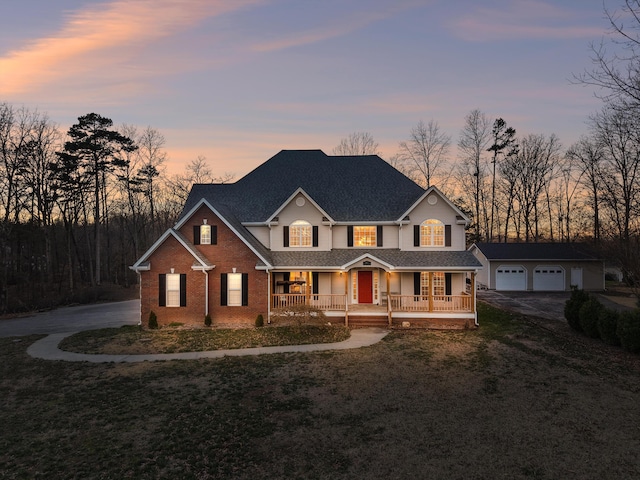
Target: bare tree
537,157
616,58
588,155
473,145
426,153
357,143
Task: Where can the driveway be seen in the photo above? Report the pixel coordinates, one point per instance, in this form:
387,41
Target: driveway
73,319
549,305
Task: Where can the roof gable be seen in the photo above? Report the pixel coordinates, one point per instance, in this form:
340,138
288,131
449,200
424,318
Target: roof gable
290,199
201,261
432,189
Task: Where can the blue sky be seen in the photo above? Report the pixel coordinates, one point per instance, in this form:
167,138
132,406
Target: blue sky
237,81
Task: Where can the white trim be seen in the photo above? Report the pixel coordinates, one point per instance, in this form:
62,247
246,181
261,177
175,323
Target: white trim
300,190
170,232
428,191
203,201
352,263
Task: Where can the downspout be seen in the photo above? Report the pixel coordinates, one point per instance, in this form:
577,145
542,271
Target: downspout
269,296
140,296
206,292
474,284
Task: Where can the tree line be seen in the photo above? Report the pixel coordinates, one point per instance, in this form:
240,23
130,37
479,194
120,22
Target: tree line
77,208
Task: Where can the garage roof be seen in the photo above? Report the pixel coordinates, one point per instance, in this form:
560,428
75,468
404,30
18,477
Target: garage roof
536,251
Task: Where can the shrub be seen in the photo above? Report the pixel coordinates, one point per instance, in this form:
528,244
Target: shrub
607,324
259,321
572,307
628,331
207,320
588,314
153,320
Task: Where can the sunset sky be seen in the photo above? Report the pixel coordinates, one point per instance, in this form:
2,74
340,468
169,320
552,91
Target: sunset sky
236,81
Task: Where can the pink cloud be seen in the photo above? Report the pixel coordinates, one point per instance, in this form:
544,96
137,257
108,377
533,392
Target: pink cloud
522,19
103,37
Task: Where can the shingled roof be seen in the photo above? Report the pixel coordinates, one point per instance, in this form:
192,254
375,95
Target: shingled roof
348,188
536,251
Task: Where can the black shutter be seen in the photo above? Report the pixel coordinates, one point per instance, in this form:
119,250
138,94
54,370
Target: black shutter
196,234
447,235
162,290
416,235
349,235
314,279
379,235
416,283
285,235
447,284
223,289
245,289
315,235
214,234
183,289
287,277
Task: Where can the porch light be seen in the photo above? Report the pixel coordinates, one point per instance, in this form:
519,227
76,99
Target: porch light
172,270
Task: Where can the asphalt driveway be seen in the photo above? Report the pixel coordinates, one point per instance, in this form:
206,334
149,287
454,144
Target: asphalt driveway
73,319
549,305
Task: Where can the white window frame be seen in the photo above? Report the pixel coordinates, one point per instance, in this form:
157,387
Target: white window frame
172,290
300,234
205,234
432,233
438,288
365,236
234,289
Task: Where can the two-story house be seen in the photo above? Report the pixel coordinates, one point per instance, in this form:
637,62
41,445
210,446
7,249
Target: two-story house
349,235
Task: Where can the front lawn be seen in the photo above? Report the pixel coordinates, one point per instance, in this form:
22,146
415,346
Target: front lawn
132,340
510,400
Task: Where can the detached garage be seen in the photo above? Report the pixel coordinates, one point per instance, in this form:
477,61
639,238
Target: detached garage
541,267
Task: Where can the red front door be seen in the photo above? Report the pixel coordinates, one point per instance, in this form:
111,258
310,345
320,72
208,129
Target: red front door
365,287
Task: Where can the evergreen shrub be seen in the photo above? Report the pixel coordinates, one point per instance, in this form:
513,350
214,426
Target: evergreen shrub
572,307
607,324
589,312
628,330
153,320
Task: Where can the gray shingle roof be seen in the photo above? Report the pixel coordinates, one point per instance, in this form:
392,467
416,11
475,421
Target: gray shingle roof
536,251
348,188
397,258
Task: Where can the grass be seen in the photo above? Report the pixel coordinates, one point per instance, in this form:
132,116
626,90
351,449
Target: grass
510,400
133,340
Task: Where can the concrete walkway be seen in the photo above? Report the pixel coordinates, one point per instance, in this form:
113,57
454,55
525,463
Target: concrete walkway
47,349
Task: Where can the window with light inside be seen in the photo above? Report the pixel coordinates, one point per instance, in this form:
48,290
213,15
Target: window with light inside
432,233
364,236
300,234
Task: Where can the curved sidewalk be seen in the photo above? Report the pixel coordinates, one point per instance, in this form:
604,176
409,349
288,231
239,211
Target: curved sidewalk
47,349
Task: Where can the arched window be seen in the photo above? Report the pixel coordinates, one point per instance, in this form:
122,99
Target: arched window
300,234
432,233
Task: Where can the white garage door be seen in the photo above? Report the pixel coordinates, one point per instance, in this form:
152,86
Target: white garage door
511,277
548,277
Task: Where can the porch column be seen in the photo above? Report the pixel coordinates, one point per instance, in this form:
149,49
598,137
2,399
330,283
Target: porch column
308,289
473,291
431,291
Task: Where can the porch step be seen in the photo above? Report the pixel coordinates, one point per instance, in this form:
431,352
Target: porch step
368,321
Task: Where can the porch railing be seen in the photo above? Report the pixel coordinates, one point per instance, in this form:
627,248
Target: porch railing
421,303
396,303
322,302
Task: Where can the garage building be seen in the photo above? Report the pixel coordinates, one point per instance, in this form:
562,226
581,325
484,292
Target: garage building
541,267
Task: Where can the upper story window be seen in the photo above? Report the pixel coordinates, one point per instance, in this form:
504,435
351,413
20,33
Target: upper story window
432,233
205,234
300,234
364,236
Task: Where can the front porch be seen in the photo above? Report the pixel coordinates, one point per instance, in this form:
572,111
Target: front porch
431,311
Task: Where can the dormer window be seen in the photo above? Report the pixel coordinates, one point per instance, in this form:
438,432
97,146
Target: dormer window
300,234
432,233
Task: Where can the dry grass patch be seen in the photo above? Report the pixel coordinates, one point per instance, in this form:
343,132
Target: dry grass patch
131,340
